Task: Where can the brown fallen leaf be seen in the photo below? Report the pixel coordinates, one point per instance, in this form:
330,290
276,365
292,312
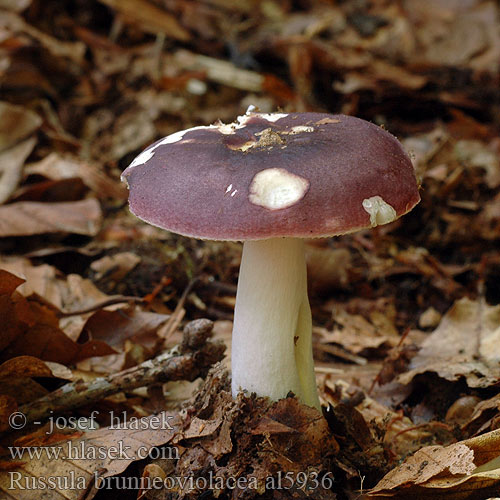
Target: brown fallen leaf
10,465
357,334
17,386
467,469
151,18
383,434
466,37
27,366
16,124
485,415
15,5
27,218
63,190
465,344
57,167
30,328
117,328
21,390
104,453
11,167
66,293
461,411
115,267
9,282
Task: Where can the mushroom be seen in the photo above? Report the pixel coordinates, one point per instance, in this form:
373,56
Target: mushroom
271,180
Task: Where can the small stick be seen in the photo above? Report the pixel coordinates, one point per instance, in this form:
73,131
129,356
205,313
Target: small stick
99,305
165,281
192,359
176,317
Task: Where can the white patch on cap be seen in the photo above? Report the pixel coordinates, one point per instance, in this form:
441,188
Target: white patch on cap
148,153
301,128
242,120
170,139
223,128
380,211
177,136
276,188
272,117
142,158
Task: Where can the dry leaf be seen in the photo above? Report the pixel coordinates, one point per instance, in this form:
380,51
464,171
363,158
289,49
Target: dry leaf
66,293
115,267
16,123
356,334
16,380
468,469
51,191
70,293
15,5
465,344
57,167
484,415
115,327
30,328
118,327
151,18
9,282
27,218
26,366
11,167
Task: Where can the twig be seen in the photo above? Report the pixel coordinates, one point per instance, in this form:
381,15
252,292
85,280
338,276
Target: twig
176,317
99,305
182,362
340,353
220,71
165,281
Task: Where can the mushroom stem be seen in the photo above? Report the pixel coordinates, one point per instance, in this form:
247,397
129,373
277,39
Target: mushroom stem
272,347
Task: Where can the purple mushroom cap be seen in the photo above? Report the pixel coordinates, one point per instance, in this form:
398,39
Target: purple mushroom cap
270,175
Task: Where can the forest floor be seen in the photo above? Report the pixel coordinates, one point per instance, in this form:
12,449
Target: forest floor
406,316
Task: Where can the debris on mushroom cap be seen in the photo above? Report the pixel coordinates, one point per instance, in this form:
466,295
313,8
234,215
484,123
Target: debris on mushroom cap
273,174
380,211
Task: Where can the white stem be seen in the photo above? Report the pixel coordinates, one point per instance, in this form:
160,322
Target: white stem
271,346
